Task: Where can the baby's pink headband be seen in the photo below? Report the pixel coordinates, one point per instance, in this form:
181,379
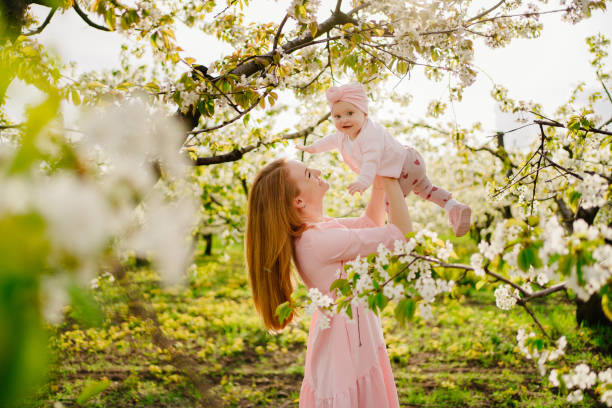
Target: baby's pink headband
352,93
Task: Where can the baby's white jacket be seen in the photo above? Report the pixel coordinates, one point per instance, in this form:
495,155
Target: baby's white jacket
375,152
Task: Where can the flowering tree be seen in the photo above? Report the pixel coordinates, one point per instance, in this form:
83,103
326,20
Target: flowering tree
72,196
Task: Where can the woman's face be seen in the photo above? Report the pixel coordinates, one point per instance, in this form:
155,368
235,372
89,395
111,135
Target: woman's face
309,183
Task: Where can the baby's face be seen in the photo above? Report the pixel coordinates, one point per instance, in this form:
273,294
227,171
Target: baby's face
348,118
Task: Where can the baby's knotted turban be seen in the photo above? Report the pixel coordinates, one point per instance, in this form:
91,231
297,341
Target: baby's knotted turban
352,93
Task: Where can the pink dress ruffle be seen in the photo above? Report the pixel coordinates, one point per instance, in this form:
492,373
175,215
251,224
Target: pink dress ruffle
347,363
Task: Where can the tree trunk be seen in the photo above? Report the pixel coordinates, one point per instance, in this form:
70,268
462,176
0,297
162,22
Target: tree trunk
591,313
208,239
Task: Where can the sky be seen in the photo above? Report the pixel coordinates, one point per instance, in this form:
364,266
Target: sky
545,69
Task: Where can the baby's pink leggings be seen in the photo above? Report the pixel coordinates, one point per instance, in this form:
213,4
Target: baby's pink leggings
414,178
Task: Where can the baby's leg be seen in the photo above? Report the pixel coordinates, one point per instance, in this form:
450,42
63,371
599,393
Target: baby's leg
414,178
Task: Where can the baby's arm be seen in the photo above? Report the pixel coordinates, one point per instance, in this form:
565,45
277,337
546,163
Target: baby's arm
326,144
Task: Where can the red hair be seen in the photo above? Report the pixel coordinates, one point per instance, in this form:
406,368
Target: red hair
273,223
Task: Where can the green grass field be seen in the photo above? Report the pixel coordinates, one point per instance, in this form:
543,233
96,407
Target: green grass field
466,357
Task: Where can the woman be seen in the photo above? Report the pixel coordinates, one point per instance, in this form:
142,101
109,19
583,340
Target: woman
347,363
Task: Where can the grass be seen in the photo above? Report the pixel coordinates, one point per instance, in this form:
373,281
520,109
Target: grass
466,357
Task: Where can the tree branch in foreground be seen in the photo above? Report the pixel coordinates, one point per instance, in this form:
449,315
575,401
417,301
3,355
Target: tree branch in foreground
85,18
484,13
557,124
520,301
44,24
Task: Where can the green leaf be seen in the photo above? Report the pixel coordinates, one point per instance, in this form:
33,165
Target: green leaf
553,258
75,97
538,343
283,311
201,107
523,259
565,265
535,258
91,389
313,27
574,197
110,18
349,310
372,302
381,300
480,284
338,283
528,257
574,124
402,67
405,310
301,11
580,262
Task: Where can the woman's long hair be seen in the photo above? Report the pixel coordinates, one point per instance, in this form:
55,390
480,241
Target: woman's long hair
272,224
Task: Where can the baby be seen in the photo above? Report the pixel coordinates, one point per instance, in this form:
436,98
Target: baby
369,150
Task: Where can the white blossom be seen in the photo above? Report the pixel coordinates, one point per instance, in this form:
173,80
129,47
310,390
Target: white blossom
476,261
445,252
606,397
394,292
364,283
77,213
553,237
165,234
542,279
553,378
324,321
425,311
574,397
593,189
496,246
581,377
605,377
504,299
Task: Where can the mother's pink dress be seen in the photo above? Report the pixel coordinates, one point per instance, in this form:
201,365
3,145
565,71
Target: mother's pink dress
339,371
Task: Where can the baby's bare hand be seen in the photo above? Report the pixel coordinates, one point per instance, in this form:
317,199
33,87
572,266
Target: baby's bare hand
307,149
355,187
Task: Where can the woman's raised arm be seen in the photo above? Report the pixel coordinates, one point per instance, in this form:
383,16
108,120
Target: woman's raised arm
376,208
398,210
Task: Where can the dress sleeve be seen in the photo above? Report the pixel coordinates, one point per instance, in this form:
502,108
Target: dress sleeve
340,244
326,144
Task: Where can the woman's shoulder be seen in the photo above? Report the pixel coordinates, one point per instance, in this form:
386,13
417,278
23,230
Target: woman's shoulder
325,224
316,229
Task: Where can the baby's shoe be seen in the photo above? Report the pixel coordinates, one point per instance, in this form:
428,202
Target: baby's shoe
459,217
